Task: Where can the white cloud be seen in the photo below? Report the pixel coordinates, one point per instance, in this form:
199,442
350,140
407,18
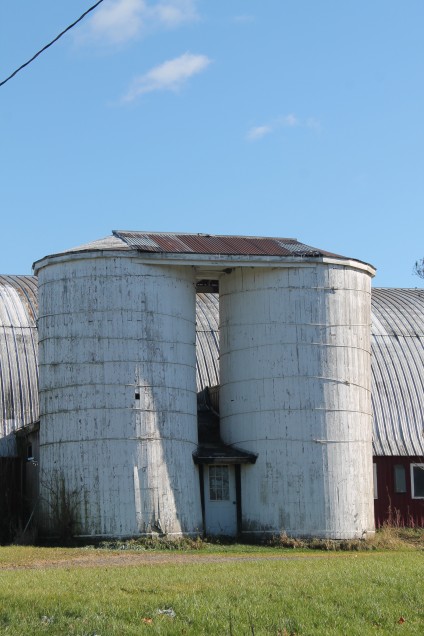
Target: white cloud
285,121
118,21
258,132
174,12
169,76
290,120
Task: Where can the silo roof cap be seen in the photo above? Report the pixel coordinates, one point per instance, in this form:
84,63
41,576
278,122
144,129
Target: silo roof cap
206,247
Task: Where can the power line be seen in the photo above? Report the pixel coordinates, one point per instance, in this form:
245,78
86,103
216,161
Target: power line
52,42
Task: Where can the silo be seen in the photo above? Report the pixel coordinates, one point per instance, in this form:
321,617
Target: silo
295,388
118,395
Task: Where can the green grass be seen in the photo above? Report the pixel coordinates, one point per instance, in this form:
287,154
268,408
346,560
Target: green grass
246,592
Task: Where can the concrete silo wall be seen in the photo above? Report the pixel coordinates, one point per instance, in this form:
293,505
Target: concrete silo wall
295,388
118,396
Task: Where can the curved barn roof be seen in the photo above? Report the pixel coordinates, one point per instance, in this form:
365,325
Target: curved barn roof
398,371
18,357
207,340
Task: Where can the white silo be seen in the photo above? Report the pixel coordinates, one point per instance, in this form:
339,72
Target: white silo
118,394
295,388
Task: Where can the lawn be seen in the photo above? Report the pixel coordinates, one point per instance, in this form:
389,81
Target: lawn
235,590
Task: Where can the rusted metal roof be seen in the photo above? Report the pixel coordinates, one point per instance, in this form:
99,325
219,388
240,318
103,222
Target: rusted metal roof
18,357
171,243
398,371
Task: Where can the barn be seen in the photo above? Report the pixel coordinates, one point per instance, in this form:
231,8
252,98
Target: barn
194,383
19,414
397,365
398,405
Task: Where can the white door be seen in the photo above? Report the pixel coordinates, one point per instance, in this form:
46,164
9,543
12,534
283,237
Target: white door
220,500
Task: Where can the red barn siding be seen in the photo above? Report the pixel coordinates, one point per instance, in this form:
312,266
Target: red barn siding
396,508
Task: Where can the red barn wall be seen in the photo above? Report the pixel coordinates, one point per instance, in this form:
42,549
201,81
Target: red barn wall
396,508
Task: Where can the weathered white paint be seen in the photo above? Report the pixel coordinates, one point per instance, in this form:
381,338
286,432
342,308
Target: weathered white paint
295,388
118,395
221,515
118,392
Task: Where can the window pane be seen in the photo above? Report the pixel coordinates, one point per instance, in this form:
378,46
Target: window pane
219,483
418,480
400,478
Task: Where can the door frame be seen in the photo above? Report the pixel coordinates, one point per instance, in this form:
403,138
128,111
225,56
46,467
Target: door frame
237,467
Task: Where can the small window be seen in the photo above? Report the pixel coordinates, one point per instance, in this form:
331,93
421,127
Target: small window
219,483
374,475
417,481
400,478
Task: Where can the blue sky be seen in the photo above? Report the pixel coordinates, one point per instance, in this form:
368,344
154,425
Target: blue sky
296,118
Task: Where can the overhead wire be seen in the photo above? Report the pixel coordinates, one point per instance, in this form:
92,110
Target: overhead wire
68,28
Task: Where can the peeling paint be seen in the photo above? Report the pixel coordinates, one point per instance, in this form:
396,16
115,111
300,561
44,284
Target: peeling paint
114,330
295,388
118,393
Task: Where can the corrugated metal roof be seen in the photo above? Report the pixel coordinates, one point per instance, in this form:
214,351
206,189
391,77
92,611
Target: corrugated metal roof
18,357
398,371
171,243
207,340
